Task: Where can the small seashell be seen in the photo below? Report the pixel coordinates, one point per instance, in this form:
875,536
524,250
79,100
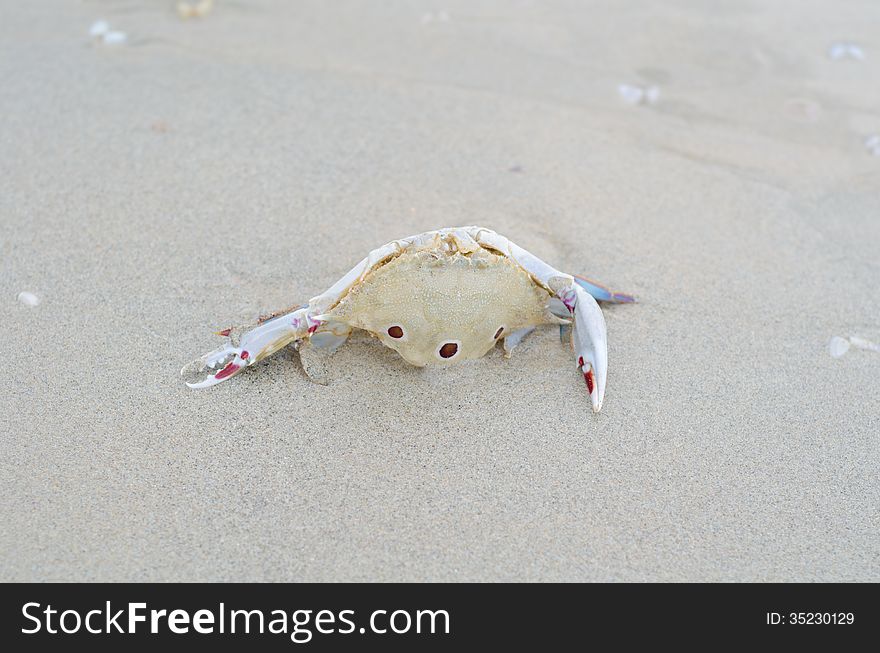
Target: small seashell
839,51
634,95
862,343
838,346
28,299
115,37
99,28
631,94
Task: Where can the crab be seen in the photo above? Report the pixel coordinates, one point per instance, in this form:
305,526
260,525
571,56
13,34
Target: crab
437,298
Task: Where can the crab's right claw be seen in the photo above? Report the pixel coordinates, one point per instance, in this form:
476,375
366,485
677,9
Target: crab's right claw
214,367
590,337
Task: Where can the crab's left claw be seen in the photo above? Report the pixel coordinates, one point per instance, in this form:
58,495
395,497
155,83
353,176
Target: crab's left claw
590,339
247,348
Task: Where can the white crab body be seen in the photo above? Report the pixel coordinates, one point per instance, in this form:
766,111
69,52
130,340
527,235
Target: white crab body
436,298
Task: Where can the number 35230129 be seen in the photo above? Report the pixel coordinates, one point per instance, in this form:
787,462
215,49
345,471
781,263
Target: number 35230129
811,618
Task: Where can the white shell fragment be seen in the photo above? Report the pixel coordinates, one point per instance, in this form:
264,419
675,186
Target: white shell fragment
630,94
635,95
101,32
862,343
838,346
872,144
28,299
839,51
115,37
99,28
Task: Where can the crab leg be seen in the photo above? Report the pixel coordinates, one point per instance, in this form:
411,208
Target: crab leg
601,293
590,340
511,341
589,335
253,345
250,347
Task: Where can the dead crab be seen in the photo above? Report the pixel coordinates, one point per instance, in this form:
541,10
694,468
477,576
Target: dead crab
436,298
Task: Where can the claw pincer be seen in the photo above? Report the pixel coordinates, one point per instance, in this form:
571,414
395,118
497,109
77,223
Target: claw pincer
252,346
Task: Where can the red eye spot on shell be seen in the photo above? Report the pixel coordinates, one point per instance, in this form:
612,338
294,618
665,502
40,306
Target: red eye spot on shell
588,377
499,332
395,332
448,350
244,355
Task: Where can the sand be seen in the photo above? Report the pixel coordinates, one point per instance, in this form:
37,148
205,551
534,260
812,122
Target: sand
209,170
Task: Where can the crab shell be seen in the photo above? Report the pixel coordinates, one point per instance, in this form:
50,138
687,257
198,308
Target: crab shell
436,298
440,304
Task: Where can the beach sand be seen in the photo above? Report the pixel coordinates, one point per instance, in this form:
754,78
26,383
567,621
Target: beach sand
209,170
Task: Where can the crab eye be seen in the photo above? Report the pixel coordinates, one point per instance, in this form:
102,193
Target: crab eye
499,332
448,350
395,331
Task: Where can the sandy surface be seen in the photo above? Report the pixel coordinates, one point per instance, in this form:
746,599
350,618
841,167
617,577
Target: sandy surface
210,170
